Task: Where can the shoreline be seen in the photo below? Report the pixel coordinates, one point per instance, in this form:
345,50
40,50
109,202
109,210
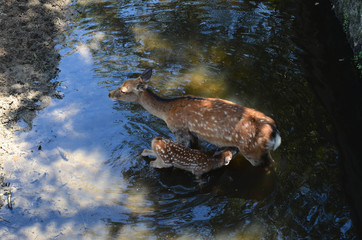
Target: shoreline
28,63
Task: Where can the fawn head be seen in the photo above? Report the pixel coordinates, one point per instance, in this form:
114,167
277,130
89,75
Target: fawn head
131,89
224,156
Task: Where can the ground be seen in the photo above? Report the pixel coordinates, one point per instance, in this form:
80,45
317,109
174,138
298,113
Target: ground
29,32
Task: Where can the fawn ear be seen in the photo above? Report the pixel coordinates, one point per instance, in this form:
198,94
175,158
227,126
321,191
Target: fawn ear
146,75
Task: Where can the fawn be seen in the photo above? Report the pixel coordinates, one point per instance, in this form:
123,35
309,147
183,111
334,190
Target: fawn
220,122
172,154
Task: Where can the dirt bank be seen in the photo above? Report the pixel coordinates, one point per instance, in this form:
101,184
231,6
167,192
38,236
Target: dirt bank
29,31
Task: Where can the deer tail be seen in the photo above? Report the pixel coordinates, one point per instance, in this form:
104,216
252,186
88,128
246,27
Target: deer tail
277,141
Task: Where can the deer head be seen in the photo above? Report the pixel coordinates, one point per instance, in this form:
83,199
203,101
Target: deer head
131,89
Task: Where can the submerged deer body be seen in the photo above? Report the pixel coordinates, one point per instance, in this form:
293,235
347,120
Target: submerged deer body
171,154
220,122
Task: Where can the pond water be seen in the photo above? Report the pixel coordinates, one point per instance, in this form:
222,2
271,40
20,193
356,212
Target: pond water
84,177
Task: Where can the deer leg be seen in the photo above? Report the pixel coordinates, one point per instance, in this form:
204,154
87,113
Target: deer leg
194,143
186,138
258,157
159,163
148,152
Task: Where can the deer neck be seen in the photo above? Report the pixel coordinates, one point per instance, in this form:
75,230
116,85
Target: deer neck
154,104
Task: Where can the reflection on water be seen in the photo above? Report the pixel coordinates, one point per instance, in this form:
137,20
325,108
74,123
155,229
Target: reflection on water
244,51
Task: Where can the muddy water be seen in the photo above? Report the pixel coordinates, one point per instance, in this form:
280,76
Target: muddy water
81,174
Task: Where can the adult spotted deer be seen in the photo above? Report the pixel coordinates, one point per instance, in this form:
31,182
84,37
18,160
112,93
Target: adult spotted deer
220,122
171,154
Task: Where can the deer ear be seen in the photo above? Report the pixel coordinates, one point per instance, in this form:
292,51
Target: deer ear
146,75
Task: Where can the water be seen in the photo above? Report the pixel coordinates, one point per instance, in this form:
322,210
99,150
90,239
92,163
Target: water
89,180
